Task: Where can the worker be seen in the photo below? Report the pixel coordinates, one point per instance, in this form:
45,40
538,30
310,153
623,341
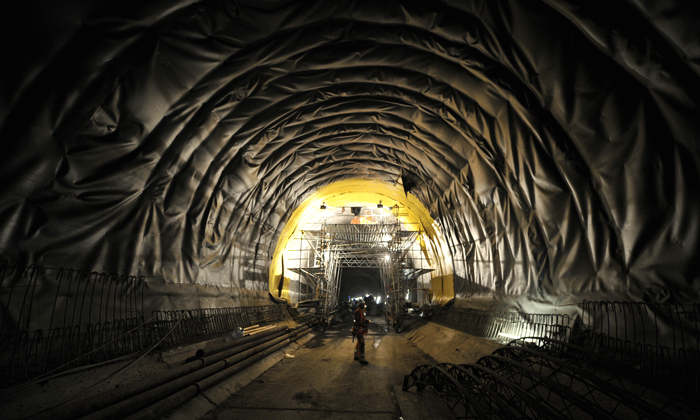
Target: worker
359,330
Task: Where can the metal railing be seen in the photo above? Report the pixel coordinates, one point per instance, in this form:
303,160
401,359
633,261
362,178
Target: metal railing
196,325
662,340
503,327
93,318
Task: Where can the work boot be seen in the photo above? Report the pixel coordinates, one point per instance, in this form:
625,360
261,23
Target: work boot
363,361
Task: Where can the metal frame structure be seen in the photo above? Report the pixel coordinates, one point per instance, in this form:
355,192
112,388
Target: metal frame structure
622,360
502,327
382,245
104,319
541,378
662,340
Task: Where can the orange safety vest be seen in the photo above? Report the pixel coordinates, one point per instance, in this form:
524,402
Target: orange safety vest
361,328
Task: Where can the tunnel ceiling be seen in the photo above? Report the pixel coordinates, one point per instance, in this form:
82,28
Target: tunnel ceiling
555,142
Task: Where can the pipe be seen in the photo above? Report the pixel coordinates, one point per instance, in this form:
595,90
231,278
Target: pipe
221,347
143,399
213,354
171,402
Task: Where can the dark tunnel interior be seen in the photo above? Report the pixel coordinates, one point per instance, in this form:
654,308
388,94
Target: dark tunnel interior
511,156
360,282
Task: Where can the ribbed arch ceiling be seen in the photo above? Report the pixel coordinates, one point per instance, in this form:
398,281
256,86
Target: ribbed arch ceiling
555,143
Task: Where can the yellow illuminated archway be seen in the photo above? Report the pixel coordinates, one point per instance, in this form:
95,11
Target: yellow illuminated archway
413,213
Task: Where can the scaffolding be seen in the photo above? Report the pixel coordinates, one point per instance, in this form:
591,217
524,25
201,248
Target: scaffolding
383,246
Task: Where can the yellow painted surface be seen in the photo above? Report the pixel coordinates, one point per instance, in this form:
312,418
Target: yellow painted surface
275,284
412,213
443,288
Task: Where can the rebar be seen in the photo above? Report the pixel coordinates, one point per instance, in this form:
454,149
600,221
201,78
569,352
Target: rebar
551,380
95,317
659,339
502,326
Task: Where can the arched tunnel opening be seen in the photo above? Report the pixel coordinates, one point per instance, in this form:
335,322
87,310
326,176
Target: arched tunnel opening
358,283
525,173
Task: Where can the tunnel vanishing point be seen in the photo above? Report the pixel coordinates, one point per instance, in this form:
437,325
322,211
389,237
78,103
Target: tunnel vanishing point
175,160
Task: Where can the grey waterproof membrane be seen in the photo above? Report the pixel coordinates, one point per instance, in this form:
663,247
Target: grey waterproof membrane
555,142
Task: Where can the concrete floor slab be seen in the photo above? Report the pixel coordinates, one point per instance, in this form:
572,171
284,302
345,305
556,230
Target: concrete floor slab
237,413
323,381
424,405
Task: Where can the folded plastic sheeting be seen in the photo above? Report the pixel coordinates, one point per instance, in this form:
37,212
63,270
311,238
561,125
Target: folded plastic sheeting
555,144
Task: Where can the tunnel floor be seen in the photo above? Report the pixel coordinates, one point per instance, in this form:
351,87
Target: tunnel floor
322,381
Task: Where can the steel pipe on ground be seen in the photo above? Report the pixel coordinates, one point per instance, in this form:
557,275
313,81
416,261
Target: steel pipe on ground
173,401
147,399
215,359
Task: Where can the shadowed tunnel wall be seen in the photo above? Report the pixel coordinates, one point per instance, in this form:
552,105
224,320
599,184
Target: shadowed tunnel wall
554,144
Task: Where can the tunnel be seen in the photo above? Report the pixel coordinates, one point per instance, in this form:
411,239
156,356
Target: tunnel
526,172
